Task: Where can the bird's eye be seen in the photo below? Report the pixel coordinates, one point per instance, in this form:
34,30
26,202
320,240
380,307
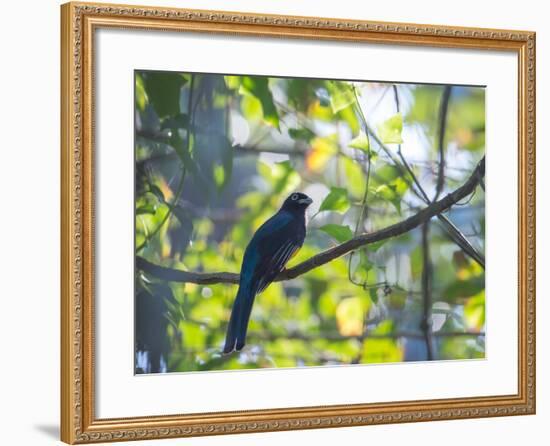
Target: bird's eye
294,197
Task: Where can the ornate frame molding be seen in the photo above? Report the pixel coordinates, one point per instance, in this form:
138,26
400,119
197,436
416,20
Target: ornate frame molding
79,20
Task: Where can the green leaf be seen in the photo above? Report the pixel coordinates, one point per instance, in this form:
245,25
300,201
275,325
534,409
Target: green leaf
341,233
337,200
373,294
389,193
232,82
259,88
301,134
219,175
163,91
386,173
341,95
474,311
251,108
355,177
390,130
381,350
349,116
464,288
360,142
141,94
376,245
146,209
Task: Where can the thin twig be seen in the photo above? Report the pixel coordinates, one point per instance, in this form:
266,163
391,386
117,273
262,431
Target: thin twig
363,211
444,107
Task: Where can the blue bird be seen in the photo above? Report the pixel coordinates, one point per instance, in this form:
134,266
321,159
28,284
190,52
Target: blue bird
271,247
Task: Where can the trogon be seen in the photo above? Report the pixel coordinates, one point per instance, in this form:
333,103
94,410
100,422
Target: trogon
266,255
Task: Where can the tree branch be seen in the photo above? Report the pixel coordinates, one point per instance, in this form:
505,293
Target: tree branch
434,209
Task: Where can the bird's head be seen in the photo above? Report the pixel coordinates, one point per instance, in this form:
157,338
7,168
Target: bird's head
297,201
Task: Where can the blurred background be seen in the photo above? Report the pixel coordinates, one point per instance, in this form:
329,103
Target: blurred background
216,156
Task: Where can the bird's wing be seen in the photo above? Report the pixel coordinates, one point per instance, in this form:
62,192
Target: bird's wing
273,245
276,264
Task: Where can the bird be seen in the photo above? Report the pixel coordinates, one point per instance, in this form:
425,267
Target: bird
274,243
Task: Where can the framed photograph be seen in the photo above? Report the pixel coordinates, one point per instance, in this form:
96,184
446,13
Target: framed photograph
275,223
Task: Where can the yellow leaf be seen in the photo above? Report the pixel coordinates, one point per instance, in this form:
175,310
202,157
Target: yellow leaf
165,188
350,315
474,311
322,150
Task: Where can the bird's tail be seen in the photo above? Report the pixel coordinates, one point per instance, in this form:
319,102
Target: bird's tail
238,323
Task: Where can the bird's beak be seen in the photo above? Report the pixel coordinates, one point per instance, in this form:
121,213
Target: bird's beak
307,201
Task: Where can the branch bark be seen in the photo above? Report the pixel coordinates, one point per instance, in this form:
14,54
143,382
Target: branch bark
434,209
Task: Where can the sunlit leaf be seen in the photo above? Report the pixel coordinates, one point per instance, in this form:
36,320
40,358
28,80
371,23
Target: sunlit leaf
146,209
381,350
232,82
341,233
337,200
219,175
321,151
317,110
349,116
259,88
390,130
474,311
252,108
356,180
388,193
341,95
386,172
350,315
360,142
141,94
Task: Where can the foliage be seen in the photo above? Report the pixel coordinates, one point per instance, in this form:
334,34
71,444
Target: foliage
216,156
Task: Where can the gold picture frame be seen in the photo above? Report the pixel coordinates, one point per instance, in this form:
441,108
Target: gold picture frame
78,24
